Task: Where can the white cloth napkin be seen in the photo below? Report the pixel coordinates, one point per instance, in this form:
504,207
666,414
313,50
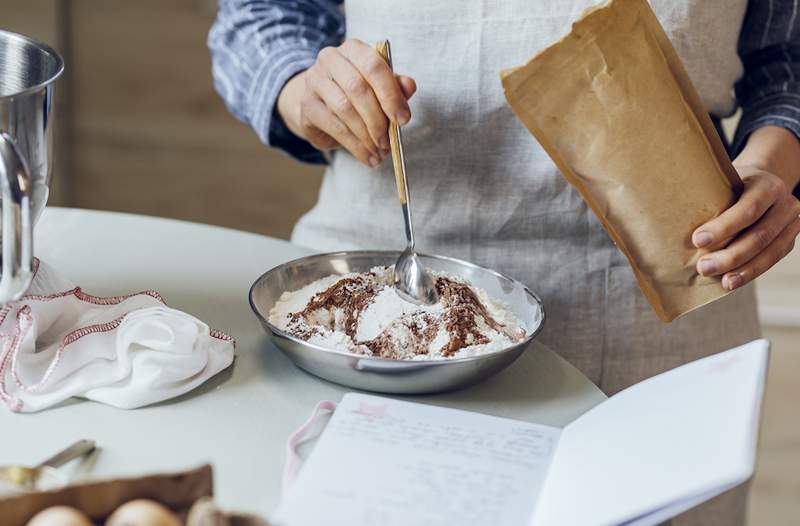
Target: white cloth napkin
58,342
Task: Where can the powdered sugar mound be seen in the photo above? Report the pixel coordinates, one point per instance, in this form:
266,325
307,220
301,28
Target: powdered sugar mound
363,314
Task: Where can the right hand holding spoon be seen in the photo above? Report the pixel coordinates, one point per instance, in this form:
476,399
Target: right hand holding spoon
346,99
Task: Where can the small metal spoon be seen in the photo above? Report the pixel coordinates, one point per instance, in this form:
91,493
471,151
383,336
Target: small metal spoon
25,477
412,281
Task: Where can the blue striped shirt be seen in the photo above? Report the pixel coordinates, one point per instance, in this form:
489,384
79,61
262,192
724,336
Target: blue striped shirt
257,45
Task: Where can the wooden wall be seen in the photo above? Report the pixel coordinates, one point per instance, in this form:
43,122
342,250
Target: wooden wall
141,128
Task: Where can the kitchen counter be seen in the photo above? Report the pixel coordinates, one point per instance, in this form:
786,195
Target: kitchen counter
239,420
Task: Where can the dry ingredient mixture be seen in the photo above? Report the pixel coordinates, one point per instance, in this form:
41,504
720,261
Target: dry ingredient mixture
363,314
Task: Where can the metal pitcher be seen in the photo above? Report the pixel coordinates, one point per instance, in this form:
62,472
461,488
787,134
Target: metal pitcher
28,70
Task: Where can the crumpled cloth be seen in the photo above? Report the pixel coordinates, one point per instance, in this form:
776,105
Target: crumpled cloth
58,342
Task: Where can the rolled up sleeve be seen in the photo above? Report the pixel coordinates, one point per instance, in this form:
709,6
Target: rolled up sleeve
257,46
769,90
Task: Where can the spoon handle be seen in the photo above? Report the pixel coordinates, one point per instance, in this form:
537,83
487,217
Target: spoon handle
78,449
398,159
395,138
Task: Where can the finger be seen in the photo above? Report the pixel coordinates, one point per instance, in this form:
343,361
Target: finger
360,94
320,116
756,199
778,249
751,242
378,74
336,100
319,139
408,85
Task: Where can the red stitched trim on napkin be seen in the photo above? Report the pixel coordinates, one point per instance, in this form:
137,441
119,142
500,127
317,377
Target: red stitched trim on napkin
24,322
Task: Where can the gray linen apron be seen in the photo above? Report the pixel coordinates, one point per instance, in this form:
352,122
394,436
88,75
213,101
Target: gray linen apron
483,189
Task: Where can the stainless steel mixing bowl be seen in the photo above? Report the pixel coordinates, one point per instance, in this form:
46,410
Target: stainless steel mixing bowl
382,374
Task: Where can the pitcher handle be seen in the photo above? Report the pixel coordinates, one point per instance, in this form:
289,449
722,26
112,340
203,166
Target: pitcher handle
17,227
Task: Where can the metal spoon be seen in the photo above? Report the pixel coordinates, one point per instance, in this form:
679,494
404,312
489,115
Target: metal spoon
25,477
412,281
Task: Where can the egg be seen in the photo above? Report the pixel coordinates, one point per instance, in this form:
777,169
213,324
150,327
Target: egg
60,516
143,512
204,513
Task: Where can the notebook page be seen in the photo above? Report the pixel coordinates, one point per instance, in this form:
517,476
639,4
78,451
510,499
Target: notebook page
386,462
686,433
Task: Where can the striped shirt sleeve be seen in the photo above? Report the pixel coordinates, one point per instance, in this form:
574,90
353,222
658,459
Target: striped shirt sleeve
769,90
257,46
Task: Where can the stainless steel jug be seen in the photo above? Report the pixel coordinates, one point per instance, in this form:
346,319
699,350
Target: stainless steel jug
28,70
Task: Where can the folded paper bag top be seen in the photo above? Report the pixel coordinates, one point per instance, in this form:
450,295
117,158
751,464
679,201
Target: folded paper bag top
613,106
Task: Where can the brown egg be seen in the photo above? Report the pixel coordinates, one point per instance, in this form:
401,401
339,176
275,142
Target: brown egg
143,512
204,513
60,516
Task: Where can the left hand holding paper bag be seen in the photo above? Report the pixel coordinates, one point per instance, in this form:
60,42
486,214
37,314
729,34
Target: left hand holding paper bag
759,229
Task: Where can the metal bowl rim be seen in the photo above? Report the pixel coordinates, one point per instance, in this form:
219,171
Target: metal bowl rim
47,48
329,255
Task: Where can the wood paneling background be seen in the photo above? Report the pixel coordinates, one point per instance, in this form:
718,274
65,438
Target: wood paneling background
144,128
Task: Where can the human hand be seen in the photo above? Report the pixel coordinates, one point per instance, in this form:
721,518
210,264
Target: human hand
753,234
346,99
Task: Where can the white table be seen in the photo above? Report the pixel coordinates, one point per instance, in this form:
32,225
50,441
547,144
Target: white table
238,421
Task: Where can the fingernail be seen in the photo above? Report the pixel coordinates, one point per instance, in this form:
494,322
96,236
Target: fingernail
384,143
702,239
403,116
707,266
732,281
374,162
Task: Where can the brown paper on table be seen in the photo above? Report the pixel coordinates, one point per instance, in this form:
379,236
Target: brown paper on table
185,493
613,106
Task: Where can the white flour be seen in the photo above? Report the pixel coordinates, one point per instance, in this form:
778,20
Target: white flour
381,323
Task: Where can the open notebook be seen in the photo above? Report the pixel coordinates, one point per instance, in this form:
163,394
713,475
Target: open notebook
643,456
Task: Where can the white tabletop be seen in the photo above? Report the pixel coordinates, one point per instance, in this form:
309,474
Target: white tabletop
238,421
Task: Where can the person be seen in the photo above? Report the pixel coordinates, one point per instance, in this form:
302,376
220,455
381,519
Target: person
304,74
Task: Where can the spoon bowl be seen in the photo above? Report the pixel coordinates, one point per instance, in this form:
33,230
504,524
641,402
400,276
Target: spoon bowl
14,478
19,479
412,281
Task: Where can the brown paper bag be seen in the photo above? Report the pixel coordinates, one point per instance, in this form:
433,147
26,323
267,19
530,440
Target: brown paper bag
613,106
